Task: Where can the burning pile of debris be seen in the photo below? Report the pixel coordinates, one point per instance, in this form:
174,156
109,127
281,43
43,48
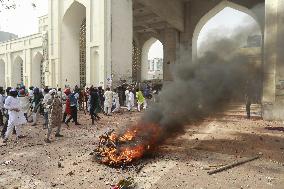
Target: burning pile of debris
118,150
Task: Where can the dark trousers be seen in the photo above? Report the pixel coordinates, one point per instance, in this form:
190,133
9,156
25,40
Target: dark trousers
4,129
64,117
5,126
248,110
73,115
94,115
1,118
26,116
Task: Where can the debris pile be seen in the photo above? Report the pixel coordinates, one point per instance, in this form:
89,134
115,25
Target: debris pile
119,150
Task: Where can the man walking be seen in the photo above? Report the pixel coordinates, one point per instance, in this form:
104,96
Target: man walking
16,117
54,115
140,100
127,96
46,103
131,100
108,101
94,104
248,98
116,101
73,97
36,103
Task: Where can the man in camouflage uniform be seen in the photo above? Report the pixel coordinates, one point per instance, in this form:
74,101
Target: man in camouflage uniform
54,115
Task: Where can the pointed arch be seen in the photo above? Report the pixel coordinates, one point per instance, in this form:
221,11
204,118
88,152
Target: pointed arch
72,21
145,64
17,71
70,3
218,8
37,70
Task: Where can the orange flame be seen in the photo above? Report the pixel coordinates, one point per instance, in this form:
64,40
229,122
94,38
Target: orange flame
131,145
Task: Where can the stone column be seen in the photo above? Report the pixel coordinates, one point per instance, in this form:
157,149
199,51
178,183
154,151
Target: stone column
122,39
5,76
53,76
273,77
98,38
9,70
170,48
28,68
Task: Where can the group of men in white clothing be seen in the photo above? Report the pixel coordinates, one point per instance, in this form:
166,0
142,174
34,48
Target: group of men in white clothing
17,104
20,106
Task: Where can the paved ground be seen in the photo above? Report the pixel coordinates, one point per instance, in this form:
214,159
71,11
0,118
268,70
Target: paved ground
182,162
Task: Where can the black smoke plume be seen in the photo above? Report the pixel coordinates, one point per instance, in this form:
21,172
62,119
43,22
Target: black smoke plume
224,73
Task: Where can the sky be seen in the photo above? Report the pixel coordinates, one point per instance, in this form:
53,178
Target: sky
23,21
228,20
156,51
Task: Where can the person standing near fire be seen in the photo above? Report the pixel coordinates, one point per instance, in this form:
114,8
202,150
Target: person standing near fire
94,105
140,100
129,96
248,98
116,101
108,96
102,99
131,100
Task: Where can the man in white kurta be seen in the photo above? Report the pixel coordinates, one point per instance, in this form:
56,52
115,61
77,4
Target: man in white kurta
131,100
116,102
108,101
127,102
16,116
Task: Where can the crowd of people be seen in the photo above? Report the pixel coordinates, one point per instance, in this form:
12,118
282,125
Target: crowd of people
21,105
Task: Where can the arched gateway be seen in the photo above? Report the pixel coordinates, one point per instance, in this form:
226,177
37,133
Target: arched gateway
17,71
84,47
70,43
37,75
211,14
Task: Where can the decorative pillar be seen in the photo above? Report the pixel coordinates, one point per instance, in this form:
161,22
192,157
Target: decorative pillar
170,48
122,39
273,77
28,68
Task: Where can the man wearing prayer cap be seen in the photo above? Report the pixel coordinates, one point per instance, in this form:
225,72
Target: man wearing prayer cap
54,107
16,116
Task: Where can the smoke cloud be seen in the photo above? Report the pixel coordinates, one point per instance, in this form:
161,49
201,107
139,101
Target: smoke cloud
224,73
